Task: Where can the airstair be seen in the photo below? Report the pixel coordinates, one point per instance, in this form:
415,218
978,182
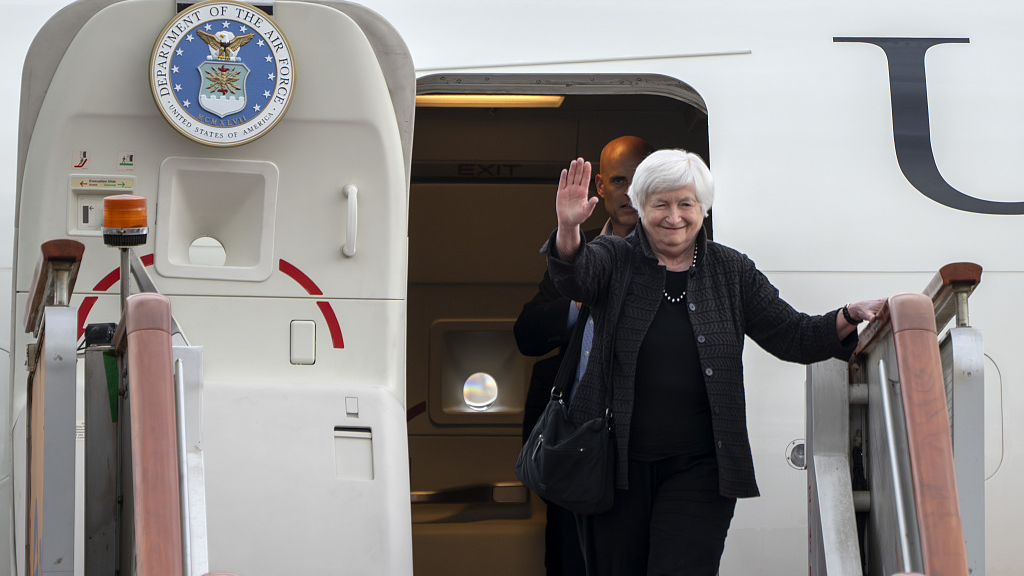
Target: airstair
895,443
144,505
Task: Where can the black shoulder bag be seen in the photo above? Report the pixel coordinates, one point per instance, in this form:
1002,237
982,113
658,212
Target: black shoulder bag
573,467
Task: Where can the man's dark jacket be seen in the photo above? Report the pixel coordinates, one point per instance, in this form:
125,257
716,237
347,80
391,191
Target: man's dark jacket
542,326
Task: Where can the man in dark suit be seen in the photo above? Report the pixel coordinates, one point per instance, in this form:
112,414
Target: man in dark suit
551,321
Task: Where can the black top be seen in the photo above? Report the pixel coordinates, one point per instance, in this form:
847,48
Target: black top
671,413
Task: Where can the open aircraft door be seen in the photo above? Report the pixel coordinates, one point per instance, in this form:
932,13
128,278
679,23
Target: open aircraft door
273,146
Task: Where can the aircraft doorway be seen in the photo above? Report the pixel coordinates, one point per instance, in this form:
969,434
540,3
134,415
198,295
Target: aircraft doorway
481,204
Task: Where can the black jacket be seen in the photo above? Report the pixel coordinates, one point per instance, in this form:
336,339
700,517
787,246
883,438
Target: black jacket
727,298
541,328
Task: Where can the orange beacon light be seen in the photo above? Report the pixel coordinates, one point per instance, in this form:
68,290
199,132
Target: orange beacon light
124,220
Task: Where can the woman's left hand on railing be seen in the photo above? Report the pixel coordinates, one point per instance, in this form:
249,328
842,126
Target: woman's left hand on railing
866,309
857,312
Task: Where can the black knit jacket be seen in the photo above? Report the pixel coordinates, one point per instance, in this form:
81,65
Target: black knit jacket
727,297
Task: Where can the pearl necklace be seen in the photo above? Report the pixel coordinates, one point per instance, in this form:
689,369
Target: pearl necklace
678,299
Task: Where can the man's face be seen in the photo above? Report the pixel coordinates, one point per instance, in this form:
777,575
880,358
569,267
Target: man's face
613,183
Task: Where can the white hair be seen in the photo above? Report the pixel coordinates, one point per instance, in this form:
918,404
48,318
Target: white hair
667,170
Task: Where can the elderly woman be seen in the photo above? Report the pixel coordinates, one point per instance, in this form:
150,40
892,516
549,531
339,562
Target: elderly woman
683,456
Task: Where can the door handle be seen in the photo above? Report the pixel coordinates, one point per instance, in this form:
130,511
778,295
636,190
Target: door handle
351,193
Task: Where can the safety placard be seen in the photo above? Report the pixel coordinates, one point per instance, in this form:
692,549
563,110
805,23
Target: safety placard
116,183
85,200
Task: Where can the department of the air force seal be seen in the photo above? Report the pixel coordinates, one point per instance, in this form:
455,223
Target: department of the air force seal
222,73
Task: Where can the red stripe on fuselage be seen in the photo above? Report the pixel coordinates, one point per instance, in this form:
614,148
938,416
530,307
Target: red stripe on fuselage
332,323
300,277
294,273
112,278
83,312
109,280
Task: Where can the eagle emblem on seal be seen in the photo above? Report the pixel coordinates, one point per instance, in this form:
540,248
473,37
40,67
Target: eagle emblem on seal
224,44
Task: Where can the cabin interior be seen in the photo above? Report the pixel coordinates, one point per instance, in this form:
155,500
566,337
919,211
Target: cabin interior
481,204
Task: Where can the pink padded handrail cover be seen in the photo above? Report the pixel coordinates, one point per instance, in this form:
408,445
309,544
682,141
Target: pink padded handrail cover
147,326
928,435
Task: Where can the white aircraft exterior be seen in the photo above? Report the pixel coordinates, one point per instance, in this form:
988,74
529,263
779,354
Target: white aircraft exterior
840,181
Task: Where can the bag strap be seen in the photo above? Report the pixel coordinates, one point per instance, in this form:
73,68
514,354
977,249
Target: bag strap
571,360
621,304
569,364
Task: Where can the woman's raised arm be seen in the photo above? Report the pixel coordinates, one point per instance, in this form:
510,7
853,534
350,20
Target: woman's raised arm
572,207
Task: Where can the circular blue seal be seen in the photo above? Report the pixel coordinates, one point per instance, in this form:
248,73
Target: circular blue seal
222,73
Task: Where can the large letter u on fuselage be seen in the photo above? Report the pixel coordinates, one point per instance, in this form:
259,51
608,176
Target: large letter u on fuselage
911,132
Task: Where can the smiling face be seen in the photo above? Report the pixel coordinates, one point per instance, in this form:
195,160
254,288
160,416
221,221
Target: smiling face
672,220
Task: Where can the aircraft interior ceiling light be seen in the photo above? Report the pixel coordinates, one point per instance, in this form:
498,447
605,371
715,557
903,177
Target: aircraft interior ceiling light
489,100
